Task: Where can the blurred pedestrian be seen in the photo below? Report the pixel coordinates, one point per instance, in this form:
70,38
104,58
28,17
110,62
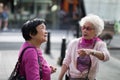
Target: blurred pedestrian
3,16
34,32
117,27
83,54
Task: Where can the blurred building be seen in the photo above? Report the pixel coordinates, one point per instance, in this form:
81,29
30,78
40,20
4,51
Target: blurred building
108,9
22,10
70,12
28,9
54,11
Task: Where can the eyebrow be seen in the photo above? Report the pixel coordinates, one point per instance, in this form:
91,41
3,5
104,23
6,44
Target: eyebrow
42,26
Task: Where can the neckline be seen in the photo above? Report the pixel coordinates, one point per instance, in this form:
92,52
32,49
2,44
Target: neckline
85,43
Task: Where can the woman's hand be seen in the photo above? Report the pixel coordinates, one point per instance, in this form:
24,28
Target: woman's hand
83,52
98,54
53,69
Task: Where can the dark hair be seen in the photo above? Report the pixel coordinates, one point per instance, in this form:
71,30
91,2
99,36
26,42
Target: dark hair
29,27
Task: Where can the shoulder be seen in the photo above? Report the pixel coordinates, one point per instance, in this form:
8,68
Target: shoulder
75,40
101,43
30,53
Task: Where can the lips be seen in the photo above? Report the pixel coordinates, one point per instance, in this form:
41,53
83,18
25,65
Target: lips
45,35
85,35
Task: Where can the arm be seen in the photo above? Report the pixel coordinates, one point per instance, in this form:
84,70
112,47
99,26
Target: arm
97,54
31,65
66,61
101,53
63,70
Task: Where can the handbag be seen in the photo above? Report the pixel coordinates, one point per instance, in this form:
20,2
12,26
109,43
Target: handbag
67,77
15,73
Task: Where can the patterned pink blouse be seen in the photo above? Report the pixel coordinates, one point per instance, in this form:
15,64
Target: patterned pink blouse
30,67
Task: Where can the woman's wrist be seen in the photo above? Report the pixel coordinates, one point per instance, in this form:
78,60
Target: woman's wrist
93,53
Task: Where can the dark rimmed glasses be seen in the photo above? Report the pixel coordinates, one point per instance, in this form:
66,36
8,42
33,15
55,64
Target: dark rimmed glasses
87,28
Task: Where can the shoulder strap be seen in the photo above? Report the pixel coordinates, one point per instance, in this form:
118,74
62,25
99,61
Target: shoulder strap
20,57
90,60
40,65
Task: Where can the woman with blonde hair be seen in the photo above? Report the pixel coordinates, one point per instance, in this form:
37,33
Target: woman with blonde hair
83,54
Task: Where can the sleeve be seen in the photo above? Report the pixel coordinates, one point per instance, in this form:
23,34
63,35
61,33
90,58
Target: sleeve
31,65
105,51
67,59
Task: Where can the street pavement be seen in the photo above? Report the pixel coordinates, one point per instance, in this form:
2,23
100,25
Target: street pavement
11,41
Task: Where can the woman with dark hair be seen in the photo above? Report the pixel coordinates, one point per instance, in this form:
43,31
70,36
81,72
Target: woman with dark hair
34,32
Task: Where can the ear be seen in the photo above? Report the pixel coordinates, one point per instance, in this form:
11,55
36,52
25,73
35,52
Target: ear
31,35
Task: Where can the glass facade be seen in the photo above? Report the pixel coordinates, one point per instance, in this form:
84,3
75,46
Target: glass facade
55,12
28,9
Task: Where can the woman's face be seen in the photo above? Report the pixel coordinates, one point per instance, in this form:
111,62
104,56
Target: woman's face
41,35
88,30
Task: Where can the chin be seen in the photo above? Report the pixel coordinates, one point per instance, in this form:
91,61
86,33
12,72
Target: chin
42,40
45,40
86,37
